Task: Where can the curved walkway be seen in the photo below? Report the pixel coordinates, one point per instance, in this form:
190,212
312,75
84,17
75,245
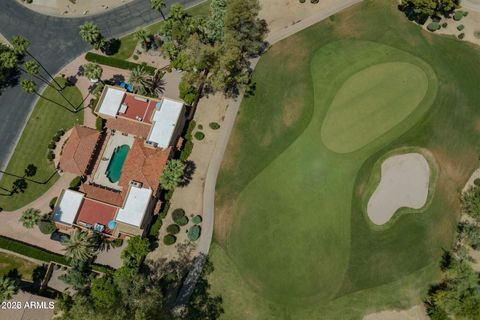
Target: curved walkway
203,246
55,42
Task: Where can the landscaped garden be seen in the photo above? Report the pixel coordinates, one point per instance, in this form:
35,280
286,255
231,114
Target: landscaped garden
292,238
47,118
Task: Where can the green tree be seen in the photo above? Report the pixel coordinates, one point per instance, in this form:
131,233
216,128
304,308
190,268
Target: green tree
78,247
172,174
90,33
8,287
430,8
92,71
20,44
104,293
30,218
8,59
159,5
156,84
141,35
138,79
216,21
30,170
135,251
78,276
471,202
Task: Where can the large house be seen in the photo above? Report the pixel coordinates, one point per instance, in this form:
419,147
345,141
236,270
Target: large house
121,166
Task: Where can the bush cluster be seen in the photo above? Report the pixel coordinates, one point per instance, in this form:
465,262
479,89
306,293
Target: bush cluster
179,217
117,63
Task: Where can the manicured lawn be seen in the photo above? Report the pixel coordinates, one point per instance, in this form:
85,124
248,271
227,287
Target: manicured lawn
128,43
9,262
290,222
46,119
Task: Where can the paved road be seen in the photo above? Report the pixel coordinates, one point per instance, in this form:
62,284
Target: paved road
55,42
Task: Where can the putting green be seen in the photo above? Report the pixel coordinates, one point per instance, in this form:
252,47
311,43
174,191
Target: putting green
371,102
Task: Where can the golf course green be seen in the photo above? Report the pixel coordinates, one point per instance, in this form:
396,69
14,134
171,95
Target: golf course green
292,239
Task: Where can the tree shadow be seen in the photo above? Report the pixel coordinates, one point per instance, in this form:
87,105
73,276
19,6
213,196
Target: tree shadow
116,78
190,168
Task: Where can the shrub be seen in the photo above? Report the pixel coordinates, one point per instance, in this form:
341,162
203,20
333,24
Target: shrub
135,57
214,125
173,229
169,239
460,27
458,15
46,226
465,13
461,36
433,26
444,25
476,182
99,123
52,202
200,127
199,135
117,63
155,227
197,219
187,150
75,183
194,233
56,138
178,213
182,221
116,243
50,155
52,145
190,128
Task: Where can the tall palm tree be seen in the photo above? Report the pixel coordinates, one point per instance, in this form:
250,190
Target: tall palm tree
30,218
90,33
79,246
159,5
20,47
8,59
156,84
172,174
141,35
138,79
92,71
31,88
8,287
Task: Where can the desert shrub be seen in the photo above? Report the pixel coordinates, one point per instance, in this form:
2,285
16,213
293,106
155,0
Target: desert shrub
75,183
135,57
46,226
301,1
200,127
461,36
199,135
433,26
52,202
460,27
173,229
178,213
458,15
197,219
194,233
116,243
182,221
444,25
169,239
214,125
465,13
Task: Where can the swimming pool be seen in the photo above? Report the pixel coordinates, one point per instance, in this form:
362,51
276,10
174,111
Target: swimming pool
114,169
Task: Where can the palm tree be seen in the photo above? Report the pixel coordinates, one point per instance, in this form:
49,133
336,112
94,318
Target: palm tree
141,35
8,59
93,71
138,79
79,246
172,174
156,84
8,287
30,87
20,46
90,33
159,5
30,218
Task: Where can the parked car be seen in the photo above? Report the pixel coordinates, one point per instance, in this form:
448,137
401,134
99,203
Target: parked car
59,236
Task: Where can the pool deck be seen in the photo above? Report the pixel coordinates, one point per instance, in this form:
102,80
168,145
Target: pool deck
116,140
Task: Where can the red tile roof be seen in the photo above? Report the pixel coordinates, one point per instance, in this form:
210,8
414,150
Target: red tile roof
93,211
102,194
145,165
138,129
138,108
78,150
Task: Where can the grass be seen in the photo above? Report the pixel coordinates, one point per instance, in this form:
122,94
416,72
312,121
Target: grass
9,263
46,119
128,43
293,240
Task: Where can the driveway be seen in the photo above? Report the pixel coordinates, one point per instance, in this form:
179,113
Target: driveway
55,42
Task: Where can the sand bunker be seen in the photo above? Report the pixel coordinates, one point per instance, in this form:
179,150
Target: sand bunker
403,183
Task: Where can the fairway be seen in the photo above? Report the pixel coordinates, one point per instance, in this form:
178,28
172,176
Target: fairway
293,239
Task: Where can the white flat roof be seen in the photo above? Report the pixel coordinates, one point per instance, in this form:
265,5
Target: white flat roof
135,207
68,206
164,122
111,101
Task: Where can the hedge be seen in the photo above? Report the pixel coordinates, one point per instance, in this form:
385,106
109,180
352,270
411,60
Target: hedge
194,233
117,63
39,253
155,227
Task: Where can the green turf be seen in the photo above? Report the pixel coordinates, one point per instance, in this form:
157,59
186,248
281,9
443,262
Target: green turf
290,214
128,43
9,263
46,119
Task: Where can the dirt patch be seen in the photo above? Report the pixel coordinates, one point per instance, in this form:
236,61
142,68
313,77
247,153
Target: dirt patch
404,182
291,112
417,312
224,217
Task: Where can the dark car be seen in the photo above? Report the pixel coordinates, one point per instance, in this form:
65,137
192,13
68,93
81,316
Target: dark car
59,236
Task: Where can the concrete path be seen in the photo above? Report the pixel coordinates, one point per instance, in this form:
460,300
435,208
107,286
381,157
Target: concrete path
55,42
205,240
